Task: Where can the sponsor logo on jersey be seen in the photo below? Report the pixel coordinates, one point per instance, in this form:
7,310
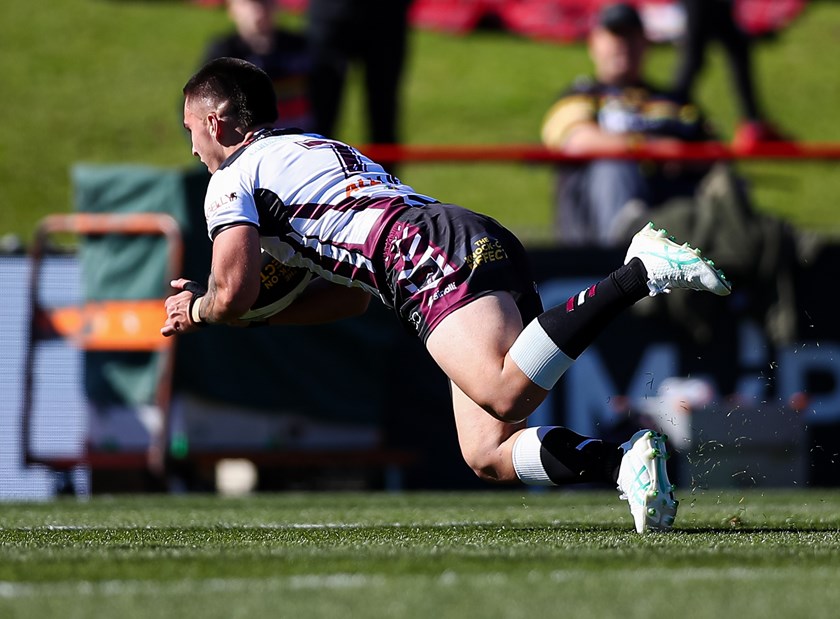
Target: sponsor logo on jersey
438,294
221,201
486,250
361,184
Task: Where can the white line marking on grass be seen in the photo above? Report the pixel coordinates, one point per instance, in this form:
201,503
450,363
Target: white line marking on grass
211,585
343,580
280,526
695,573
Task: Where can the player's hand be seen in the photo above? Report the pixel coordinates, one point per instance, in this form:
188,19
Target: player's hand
178,307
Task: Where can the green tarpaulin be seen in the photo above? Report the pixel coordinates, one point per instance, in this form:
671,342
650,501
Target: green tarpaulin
333,372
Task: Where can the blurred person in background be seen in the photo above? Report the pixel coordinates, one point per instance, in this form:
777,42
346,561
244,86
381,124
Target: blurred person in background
617,109
371,35
708,20
603,202
283,54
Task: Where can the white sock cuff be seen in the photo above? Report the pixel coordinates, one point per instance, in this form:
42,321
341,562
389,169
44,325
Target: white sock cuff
536,354
526,457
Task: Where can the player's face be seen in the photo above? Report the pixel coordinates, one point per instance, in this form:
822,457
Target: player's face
204,146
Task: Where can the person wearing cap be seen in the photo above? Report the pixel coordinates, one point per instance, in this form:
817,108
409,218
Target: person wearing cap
616,108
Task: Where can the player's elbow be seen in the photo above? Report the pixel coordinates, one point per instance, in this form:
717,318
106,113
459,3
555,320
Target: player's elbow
233,301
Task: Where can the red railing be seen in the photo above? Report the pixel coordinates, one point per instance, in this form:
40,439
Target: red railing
703,151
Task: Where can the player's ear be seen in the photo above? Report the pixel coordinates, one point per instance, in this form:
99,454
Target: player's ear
214,125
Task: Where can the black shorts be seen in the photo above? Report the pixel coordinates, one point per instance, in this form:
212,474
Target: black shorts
439,257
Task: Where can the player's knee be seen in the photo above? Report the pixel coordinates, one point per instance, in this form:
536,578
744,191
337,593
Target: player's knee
508,409
514,414
486,473
508,400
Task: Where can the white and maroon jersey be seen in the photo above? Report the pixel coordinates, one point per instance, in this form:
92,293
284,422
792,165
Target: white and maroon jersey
318,203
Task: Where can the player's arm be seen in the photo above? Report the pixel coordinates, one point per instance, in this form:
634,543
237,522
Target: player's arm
232,288
323,302
234,275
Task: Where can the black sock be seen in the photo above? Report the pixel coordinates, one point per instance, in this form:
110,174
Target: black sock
575,325
569,458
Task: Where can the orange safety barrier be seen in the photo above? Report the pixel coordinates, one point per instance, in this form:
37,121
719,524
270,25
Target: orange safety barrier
113,325
107,325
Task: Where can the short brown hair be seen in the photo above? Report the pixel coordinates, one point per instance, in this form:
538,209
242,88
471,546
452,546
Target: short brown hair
246,88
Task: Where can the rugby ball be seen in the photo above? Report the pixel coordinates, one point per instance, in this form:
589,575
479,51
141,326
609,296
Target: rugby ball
280,284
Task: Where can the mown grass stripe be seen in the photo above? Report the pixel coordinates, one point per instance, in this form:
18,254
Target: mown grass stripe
11,590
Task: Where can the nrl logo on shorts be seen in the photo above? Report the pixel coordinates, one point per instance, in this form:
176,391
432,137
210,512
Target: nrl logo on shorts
415,319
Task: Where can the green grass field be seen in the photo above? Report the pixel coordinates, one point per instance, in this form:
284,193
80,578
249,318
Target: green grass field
100,81
491,554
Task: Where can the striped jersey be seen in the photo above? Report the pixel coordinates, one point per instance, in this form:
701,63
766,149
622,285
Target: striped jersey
318,204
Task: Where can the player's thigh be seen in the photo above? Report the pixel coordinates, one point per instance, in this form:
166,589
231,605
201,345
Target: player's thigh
470,344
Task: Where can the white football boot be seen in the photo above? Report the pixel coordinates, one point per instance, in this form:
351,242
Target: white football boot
670,265
643,482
